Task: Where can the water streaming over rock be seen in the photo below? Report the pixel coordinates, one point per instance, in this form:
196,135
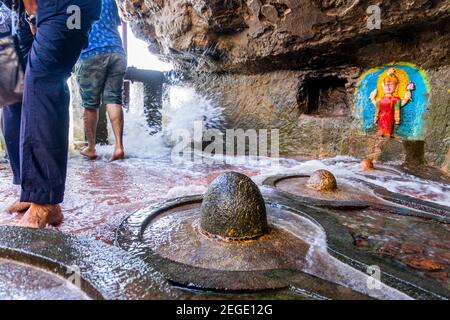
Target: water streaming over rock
22,282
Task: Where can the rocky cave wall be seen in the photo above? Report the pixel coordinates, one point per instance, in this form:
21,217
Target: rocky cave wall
294,64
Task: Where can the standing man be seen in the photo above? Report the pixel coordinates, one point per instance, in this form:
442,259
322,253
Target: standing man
100,74
61,30
12,114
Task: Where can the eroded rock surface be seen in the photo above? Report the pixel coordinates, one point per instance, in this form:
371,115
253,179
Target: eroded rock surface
257,34
294,64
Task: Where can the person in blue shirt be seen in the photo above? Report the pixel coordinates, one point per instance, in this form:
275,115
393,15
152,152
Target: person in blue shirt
100,73
44,122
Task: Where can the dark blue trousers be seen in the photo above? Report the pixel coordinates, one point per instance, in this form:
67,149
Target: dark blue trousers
45,110
11,132
12,114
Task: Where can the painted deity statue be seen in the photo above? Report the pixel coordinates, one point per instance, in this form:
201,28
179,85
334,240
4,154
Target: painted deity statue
389,105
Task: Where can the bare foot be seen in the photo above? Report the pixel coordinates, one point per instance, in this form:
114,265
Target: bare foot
18,207
118,154
89,153
39,216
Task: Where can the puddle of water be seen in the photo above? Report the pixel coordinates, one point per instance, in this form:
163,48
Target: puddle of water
177,236
22,282
345,192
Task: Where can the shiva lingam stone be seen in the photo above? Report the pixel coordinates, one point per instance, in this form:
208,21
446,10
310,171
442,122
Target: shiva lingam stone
222,241
234,209
321,190
230,228
367,165
323,181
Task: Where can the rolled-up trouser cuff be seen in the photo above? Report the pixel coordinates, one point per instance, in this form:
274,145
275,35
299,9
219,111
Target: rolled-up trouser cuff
55,196
16,181
110,100
90,106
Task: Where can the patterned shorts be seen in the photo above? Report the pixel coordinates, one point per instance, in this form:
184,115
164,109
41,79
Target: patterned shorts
100,79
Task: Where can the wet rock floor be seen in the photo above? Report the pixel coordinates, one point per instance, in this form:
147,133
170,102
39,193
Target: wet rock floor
22,282
422,245
100,195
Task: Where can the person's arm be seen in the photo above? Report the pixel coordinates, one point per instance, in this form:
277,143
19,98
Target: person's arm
397,109
408,96
373,96
377,112
374,101
30,7
31,10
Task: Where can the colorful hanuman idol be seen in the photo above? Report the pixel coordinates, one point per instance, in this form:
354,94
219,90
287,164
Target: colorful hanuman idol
388,107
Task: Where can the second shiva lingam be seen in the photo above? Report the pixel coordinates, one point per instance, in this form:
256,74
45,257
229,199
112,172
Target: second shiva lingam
322,180
321,189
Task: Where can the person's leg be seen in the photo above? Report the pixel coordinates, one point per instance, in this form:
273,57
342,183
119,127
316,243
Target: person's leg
91,74
45,118
91,117
11,133
112,97
12,118
44,131
115,114
41,215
